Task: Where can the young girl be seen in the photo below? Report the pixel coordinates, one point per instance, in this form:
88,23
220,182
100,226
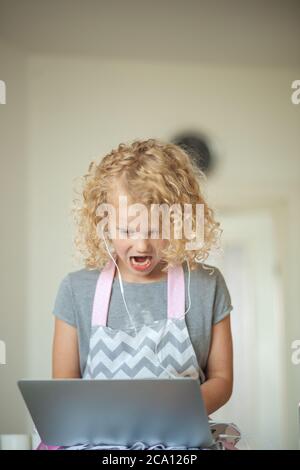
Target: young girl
150,295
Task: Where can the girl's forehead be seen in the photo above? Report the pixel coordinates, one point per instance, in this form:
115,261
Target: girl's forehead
120,198
119,194
116,198
118,189
129,211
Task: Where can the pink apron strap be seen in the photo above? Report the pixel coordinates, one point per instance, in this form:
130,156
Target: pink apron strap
102,294
176,293
43,446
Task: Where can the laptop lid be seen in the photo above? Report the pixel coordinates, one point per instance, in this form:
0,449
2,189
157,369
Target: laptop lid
118,412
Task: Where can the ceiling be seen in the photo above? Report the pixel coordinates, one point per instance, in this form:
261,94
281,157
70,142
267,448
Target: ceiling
240,32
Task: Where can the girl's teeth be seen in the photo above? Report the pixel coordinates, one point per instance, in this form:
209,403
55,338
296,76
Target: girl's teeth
142,262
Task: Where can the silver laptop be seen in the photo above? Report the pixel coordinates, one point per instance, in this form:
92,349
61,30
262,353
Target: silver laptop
69,412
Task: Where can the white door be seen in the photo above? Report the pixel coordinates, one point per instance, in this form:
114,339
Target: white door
249,265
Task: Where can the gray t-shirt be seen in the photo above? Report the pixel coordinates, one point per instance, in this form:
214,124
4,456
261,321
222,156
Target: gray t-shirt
146,302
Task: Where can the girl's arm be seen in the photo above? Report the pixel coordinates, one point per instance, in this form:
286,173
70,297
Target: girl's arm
65,353
217,388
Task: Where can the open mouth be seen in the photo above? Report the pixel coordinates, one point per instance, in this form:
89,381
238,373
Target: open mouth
140,262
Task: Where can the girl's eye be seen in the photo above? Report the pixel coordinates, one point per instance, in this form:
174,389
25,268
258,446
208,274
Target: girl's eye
127,232
153,233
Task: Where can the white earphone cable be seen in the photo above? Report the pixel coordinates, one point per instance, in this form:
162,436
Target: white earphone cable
121,284
156,355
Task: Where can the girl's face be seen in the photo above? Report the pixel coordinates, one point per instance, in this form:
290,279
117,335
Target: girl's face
138,259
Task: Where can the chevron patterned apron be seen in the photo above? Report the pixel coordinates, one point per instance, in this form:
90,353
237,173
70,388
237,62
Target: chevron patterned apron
162,349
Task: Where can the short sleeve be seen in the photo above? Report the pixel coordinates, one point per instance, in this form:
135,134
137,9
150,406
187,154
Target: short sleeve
222,301
64,307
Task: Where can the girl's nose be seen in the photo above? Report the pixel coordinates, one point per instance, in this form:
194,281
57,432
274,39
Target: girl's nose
143,245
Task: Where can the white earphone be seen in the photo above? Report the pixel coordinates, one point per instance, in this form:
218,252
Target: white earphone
133,325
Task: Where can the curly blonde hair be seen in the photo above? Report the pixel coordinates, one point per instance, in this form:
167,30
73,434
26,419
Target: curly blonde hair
155,172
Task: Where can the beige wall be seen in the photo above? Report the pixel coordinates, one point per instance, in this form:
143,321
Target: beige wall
81,108
14,318
76,110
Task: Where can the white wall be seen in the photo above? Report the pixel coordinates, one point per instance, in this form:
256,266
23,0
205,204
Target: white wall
65,111
80,108
250,265
14,318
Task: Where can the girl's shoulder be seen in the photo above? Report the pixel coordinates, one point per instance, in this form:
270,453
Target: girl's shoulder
82,278
205,272
208,280
209,285
84,273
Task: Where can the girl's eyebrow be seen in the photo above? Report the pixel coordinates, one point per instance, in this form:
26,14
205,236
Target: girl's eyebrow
121,228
